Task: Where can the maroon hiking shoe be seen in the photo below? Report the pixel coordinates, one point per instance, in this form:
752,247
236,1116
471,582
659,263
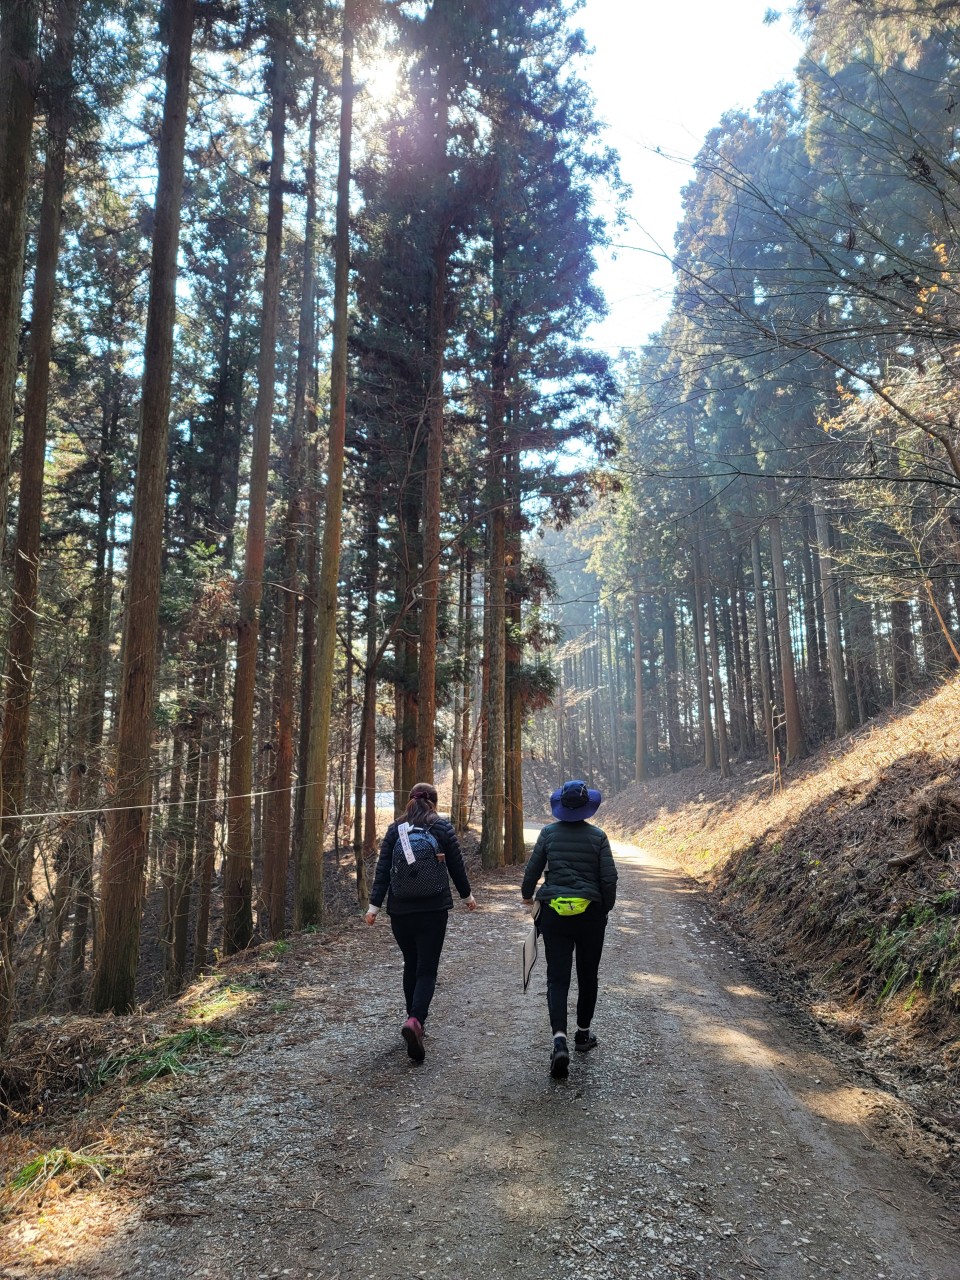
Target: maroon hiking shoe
412,1032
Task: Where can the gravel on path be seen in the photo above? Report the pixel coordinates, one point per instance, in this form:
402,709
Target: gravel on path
709,1136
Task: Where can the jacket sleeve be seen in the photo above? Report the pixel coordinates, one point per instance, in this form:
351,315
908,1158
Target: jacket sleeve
534,868
608,874
381,877
448,842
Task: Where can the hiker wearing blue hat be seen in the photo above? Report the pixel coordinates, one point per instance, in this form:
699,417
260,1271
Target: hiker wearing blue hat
578,891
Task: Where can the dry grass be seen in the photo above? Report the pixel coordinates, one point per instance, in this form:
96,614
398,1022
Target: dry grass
849,878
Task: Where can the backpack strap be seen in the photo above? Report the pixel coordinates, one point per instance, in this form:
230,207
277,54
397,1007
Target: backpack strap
403,831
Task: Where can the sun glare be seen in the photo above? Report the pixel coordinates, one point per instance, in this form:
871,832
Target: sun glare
381,79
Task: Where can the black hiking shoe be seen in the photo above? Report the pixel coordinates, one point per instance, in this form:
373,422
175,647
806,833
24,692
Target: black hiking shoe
560,1058
584,1041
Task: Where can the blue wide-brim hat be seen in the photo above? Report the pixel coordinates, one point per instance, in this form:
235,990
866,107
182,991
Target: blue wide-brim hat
575,802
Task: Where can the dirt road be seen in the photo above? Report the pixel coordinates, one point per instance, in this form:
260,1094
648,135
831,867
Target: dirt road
707,1136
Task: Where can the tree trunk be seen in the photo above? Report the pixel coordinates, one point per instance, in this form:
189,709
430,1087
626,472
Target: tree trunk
745,663
125,849
310,855
171,850
26,554
66,863
187,841
309,622
843,718
207,806
365,804
763,645
18,72
614,705
466,734
796,743
92,708
724,750
514,852
903,658
641,766
430,592
495,658
456,745
276,859
492,837
703,678
238,862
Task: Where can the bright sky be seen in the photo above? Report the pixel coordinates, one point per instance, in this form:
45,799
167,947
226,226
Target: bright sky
663,74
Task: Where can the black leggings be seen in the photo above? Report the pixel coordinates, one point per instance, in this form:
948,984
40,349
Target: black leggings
562,936
419,936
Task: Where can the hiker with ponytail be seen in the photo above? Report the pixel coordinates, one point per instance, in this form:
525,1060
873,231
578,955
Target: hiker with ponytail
419,855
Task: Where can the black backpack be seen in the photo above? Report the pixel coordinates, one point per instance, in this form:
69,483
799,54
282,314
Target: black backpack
423,877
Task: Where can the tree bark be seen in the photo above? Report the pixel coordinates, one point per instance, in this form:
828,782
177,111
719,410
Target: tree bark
796,742
495,658
902,657
514,848
763,645
66,863
207,806
238,860
641,774
125,849
26,554
276,858
843,717
18,69
430,591
614,706
310,888
467,735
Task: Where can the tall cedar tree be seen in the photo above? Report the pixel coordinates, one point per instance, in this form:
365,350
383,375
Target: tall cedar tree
128,819
310,854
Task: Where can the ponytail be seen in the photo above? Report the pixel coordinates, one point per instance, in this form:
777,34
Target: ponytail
421,809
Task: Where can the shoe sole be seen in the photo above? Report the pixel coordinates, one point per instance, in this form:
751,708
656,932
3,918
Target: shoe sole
585,1048
560,1066
414,1048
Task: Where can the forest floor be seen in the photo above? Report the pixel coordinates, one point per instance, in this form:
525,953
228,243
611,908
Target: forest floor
718,1132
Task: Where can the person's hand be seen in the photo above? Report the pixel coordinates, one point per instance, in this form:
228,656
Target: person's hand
529,904
470,903
371,917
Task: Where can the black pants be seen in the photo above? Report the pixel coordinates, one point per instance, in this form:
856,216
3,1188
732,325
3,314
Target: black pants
562,937
419,936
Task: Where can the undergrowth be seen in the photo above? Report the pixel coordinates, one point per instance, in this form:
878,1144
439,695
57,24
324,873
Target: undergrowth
222,998
171,1055
59,1164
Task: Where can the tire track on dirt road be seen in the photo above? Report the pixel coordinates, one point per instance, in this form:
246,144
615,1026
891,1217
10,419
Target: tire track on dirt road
707,1137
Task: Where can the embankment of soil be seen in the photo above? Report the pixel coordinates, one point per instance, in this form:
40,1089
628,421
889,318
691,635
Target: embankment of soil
847,880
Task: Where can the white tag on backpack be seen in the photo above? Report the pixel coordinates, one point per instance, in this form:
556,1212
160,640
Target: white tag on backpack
402,830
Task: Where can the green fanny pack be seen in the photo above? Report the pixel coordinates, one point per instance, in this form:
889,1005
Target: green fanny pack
569,906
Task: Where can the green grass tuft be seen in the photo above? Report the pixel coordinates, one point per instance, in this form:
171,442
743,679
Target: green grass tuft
40,1171
165,1057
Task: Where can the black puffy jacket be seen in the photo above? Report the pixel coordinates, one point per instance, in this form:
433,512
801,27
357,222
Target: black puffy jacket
578,864
445,836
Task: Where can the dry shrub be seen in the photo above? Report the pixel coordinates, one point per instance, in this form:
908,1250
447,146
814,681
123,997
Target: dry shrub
50,1057
935,817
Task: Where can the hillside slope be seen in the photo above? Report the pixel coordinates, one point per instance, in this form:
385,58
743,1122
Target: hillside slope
848,880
